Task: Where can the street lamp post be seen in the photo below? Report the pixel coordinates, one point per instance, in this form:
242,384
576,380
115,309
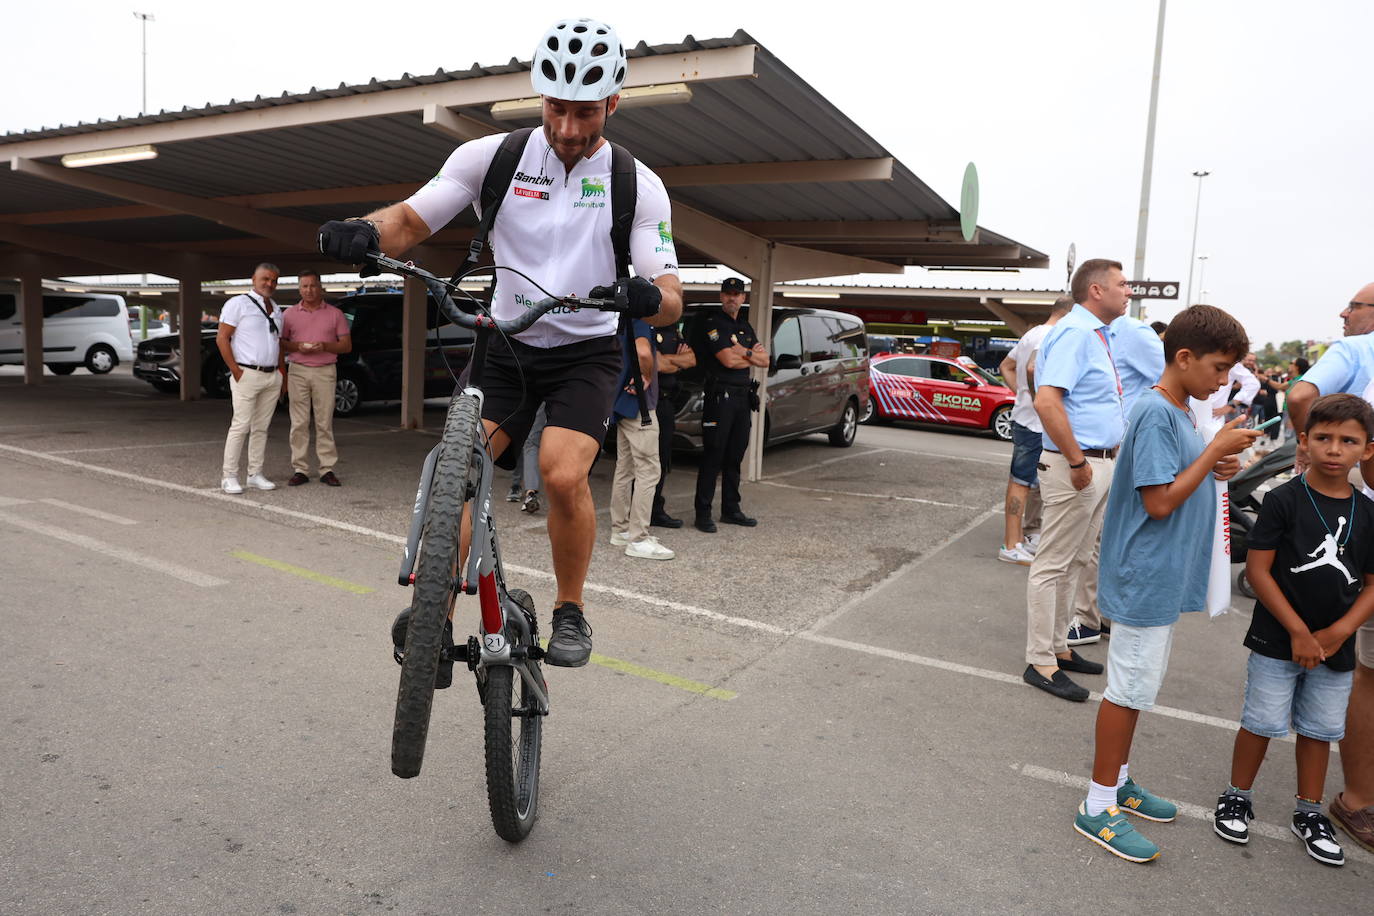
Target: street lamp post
1197,211
145,17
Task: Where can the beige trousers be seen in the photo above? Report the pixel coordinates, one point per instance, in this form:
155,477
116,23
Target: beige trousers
312,387
636,476
254,397
1063,576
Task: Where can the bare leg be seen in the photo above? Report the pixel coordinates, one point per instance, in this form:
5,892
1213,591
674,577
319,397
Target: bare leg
1115,730
1357,748
565,460
1312,757
1246,758
1014,507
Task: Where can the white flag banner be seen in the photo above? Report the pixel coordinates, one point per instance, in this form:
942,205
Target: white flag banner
1219,577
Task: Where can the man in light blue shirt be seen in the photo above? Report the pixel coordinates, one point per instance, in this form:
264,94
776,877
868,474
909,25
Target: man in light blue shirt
1346,367
1139,355
1079,400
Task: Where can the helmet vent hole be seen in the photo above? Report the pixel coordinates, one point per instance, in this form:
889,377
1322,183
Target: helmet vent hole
553,44
593,76
575,46
601,31
599,49
549,71
620,75
579,28
569,71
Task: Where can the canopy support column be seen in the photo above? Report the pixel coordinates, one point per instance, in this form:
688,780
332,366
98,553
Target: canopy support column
413,354
31,311
188,319
761,318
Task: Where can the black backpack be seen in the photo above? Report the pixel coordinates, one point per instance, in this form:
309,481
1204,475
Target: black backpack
624,193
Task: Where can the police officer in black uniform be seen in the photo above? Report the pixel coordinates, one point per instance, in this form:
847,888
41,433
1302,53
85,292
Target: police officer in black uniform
730,351
673,356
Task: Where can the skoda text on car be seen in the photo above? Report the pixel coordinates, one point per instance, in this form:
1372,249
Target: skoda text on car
936,389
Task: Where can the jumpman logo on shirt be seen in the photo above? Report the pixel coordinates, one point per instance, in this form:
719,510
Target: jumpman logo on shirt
1329,552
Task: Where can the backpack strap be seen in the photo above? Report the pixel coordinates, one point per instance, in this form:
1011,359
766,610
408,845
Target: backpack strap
624,193
494,186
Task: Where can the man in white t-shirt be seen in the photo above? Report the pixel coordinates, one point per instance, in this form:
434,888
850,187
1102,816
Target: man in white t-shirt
1026,436
554,225
249,341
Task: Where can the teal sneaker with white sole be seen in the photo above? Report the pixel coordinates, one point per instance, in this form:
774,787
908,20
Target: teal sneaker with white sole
1135,799
1113,831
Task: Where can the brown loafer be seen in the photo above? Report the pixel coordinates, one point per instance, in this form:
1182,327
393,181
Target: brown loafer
1358,822
328,479
297,479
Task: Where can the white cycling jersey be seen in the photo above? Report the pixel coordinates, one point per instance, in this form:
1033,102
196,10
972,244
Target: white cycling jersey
555,226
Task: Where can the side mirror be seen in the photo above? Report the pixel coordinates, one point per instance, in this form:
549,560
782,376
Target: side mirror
787,361
971,382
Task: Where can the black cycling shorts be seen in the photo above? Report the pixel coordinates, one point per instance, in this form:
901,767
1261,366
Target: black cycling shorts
578,381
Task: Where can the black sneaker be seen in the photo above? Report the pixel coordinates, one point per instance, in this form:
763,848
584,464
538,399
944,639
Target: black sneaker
1316,834
664,520
738,518
444,676
1233,817
704,523
570,640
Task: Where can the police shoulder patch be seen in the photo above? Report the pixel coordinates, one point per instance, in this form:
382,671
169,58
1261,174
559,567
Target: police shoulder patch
713,334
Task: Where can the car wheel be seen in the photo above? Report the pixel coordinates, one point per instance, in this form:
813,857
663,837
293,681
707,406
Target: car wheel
62,368
168,387
870,410
348,395
842,433
1243,584
216,380
101,359
1001,423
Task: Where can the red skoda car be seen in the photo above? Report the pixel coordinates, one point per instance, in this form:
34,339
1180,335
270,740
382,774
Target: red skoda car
934,389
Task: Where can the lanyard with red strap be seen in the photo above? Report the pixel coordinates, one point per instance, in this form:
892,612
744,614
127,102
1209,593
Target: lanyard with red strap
1102,336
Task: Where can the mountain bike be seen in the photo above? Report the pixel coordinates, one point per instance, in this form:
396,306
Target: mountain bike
505,655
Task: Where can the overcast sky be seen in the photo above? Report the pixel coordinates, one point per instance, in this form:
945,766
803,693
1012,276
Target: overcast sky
1048,98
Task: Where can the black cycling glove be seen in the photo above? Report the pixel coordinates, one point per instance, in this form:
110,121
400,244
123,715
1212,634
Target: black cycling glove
644,297
351,241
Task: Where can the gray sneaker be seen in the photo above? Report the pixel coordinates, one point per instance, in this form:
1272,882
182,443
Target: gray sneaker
570,644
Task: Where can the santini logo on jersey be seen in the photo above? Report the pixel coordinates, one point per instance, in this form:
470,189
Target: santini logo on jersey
542,181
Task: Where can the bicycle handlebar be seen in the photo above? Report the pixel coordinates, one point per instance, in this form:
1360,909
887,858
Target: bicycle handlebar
440,290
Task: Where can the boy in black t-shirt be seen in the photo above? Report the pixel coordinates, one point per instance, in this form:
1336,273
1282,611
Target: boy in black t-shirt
1311,556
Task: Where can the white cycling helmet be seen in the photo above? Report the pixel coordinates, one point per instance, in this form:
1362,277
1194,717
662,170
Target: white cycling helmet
579,60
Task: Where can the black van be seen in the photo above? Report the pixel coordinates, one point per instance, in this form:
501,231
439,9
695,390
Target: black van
817,375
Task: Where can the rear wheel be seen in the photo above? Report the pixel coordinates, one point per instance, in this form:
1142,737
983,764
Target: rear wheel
348,395
101,359
842,433
1001,423
1243,584
513,731
870,410
435,589
62,368
216,380
168,387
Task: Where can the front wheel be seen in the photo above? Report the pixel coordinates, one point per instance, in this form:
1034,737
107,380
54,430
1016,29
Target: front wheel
512,753
1243,584
842,433
348,394
101,359
435,589
62,368
1001,423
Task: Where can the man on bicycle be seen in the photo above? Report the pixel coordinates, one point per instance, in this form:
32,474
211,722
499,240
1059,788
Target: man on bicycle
554,225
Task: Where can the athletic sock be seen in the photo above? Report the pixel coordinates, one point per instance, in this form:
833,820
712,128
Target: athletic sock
1100,798
1306,806
1121,777
1247,794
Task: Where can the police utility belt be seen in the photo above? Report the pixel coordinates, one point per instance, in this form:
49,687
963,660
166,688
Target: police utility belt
751,387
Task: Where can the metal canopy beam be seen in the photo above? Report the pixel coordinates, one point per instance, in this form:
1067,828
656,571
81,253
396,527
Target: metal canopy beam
685,176
791,262
121,255
841,230
687,67
1018,324
459,127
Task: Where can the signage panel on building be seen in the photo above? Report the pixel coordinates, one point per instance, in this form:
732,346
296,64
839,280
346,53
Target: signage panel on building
1154,289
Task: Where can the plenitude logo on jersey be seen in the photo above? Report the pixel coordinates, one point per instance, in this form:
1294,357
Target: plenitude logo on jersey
665,239
528,303
540,181
593,193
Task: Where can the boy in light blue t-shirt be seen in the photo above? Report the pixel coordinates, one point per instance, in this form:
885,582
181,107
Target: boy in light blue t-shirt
1155,557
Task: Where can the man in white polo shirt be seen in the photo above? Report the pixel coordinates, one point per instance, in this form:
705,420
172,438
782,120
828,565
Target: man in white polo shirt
248,340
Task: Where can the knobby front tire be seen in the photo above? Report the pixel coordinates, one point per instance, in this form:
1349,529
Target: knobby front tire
434,593
512,754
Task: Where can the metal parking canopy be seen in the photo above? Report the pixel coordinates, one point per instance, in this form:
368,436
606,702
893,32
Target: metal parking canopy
766,177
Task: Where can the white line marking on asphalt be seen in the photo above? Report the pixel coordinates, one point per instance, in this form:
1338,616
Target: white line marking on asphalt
999,463
741,622
185,574
161,445
11,501
1197,812
820,464
93,513
905,499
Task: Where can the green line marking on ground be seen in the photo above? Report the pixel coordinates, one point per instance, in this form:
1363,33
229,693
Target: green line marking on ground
303,573
661,677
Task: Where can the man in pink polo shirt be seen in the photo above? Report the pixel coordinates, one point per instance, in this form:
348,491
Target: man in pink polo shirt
313,334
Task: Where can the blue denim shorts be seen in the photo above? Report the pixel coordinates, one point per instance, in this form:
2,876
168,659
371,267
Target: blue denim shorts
1025,455
1137,658
1280,692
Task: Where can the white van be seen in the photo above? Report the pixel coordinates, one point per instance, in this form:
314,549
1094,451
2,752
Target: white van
79,329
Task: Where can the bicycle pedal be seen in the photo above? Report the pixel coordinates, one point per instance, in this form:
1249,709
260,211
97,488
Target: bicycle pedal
456,653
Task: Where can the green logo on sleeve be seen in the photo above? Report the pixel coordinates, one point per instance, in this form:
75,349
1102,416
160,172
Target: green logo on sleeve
591,188
665,233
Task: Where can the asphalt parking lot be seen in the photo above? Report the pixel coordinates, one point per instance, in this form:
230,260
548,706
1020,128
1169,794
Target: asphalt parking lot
823,714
